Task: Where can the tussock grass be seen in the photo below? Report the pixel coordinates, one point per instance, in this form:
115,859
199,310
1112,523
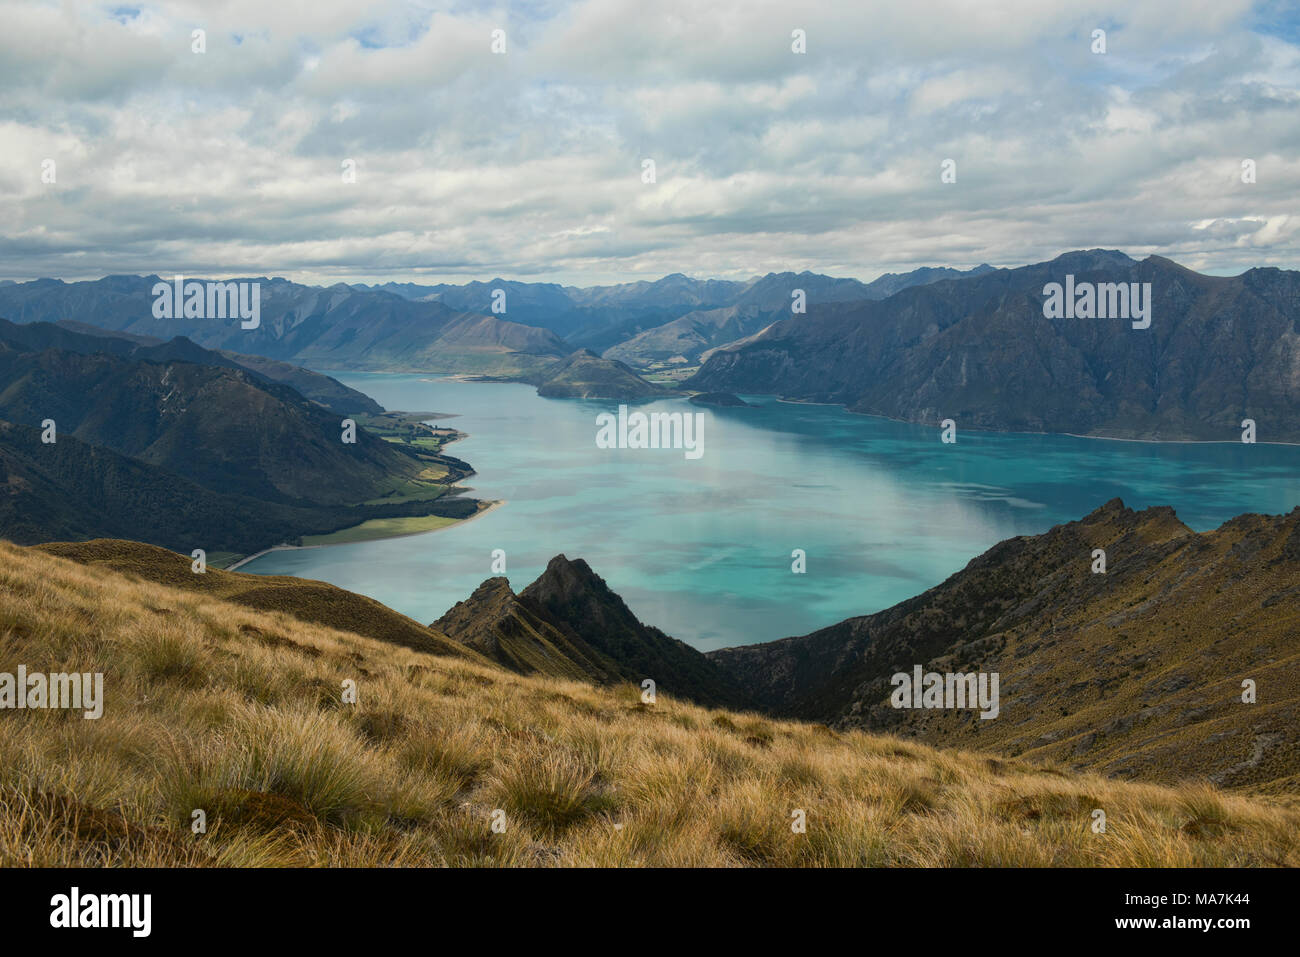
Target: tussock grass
239,712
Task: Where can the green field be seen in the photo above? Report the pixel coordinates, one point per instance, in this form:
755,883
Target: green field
410,428
668,374
425,488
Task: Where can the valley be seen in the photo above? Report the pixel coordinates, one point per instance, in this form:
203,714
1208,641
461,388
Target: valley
702,548
663,584
632,439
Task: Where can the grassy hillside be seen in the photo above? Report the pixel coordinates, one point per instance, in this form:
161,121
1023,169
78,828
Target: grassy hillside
309,601
216,706
1134,672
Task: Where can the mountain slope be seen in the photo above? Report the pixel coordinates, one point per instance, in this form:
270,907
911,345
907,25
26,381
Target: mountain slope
188,448
979,350
70,490
225,428
80,337
585,375
1137,671
570,594
211,705
329,392
308,601
337,327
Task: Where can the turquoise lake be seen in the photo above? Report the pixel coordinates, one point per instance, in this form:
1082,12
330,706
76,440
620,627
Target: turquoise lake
702,548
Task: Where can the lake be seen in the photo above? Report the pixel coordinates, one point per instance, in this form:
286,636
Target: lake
702,548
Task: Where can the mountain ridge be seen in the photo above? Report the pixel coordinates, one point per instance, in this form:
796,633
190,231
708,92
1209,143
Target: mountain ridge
81,337
569,623
979,351
1169,631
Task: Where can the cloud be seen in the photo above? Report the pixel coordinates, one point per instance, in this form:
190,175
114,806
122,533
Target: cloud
528,164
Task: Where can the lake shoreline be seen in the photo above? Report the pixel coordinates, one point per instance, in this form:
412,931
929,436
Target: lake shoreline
488,380
1072,435
424,417
378,538
880,528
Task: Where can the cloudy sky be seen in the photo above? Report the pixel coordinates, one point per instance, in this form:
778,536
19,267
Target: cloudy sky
529,164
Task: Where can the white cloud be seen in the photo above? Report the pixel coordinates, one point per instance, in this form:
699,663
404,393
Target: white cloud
528,165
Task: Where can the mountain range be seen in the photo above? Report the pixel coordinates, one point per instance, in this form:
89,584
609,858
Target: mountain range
187,447
979,351
404,327
925,346
325,328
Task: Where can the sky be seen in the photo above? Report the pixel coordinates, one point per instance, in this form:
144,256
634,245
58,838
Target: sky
531,163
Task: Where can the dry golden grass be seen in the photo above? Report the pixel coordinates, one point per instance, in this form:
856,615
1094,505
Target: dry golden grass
238,712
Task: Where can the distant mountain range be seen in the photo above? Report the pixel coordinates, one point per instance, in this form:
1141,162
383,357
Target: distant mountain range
676,317
335,328
691,337
979,350
924,346
404,327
